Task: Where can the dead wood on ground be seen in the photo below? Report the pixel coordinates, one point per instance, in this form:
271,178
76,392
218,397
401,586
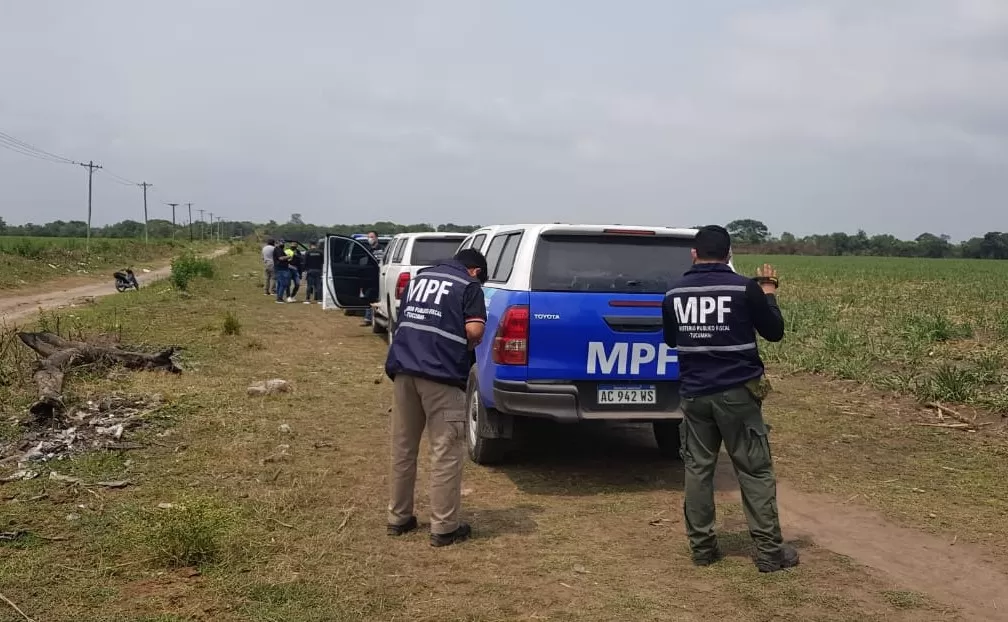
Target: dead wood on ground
60,355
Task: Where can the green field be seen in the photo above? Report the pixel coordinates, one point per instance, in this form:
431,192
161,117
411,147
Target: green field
32,260
936,329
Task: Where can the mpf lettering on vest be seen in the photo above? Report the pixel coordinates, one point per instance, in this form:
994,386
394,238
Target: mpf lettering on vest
421,289
696,308
628,355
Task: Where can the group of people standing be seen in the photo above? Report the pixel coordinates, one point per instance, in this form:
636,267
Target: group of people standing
284,266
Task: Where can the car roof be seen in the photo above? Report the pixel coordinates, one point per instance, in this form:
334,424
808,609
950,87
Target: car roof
433,234
540,228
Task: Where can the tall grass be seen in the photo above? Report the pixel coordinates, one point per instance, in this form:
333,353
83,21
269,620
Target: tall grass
933,329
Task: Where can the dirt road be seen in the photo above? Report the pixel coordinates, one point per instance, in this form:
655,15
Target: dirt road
20,306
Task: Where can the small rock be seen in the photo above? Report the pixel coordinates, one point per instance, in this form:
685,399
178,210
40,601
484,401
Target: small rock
581,569
284,429
115,431
165,506
466,492
269,387
53,475
73,517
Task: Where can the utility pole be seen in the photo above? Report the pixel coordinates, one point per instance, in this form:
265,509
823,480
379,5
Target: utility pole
220,222
190,221
201,223
90,166
211,224
145,185
173,225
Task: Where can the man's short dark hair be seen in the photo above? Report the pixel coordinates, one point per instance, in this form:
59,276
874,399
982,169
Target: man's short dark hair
472,258
374,232
312,244
712,243
271,242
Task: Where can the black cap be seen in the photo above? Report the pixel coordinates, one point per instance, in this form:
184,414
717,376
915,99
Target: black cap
472,258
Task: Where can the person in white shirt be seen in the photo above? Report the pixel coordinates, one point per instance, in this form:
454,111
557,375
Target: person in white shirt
268,271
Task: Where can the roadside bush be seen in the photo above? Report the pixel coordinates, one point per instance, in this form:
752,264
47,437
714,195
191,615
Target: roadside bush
192,532
188,267
231,325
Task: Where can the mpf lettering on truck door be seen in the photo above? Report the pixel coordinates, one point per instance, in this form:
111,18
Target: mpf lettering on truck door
418,296
694,313
633,358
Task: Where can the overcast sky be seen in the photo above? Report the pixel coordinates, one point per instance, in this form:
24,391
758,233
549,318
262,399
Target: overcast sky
811,115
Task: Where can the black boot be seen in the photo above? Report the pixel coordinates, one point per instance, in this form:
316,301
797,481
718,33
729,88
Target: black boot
706,559
459,535
786,557
405,528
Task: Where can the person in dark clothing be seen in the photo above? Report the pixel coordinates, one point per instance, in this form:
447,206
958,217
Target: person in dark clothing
442,320
313,263
296,269
281,268
712,316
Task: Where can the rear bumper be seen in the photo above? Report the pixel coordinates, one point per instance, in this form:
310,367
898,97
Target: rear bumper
571,402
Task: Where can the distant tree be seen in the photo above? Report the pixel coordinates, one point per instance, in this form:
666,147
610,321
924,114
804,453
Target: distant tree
295,219
3,226
930,245
748,231
787,238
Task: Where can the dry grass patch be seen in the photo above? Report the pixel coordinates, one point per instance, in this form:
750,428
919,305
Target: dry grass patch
586,527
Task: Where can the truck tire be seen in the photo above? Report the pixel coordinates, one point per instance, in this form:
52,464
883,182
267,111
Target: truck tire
666,434
390,329
481,450
376,328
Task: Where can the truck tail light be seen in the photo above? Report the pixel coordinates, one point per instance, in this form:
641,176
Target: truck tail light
401,284
510,345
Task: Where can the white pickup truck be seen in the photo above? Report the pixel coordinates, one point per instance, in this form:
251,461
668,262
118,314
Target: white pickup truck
404,255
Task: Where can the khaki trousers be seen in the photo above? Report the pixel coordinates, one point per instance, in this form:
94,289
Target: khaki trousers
418,402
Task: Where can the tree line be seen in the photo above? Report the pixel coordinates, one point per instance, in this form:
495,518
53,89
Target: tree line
753,236
749,235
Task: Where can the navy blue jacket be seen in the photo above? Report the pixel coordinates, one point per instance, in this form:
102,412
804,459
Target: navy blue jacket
711,316
430,337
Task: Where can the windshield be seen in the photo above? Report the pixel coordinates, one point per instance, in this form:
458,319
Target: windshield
609,264
430,251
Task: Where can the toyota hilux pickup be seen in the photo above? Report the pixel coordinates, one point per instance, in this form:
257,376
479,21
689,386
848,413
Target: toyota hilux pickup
574,330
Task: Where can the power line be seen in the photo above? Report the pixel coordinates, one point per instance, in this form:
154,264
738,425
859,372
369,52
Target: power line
17,145
120,180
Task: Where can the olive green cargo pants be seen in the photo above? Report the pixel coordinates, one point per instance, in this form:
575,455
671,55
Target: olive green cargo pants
735,417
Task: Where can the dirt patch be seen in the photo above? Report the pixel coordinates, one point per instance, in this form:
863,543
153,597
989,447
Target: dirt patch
957,574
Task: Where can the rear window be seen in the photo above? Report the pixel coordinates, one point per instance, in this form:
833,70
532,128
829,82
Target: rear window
609,264
429,251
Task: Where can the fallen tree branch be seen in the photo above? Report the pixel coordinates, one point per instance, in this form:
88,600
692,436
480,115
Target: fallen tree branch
951,413
953,426
60,356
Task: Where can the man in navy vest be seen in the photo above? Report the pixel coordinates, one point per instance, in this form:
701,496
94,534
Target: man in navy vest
441,320
712,316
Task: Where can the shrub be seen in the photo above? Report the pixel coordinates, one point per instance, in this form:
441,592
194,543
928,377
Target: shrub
231,325
187,267
190,533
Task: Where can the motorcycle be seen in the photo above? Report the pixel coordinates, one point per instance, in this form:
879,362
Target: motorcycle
125,279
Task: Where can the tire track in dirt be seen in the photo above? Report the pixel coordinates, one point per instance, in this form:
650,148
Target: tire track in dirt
13,308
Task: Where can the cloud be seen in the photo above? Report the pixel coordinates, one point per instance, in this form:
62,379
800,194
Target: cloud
811,115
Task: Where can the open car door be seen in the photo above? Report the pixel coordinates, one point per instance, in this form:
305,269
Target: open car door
350,274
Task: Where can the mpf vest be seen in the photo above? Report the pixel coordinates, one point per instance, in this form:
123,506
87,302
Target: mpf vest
430,339
716,342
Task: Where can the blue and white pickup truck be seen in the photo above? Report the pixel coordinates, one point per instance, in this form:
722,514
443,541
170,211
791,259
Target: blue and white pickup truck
574,330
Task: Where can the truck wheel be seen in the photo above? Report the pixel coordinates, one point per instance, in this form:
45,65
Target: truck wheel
481,450
376,328
666,433
391,327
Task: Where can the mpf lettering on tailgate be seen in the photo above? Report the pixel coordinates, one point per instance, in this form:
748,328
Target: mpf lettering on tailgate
622,356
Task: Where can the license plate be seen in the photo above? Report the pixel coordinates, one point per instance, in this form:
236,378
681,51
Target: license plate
627,395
